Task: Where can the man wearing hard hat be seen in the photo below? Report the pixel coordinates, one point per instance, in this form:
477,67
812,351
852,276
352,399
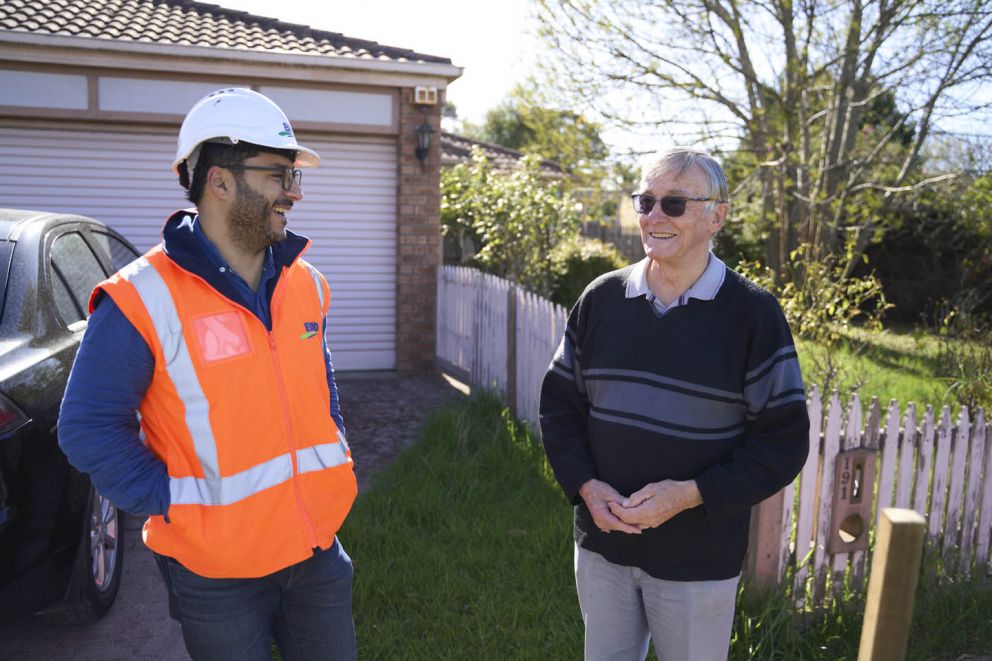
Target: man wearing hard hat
203,396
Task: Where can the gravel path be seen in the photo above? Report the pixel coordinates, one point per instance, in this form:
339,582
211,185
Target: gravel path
383,415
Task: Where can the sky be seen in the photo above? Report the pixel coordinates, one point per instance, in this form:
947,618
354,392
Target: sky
489,40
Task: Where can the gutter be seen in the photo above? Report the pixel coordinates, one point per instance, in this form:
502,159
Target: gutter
241,55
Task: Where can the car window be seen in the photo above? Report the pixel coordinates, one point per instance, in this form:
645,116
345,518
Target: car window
120,253
75,270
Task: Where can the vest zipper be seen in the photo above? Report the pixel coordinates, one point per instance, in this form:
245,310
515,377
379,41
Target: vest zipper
287,420
291,437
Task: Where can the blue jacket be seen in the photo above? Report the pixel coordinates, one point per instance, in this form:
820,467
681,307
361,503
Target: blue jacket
98,425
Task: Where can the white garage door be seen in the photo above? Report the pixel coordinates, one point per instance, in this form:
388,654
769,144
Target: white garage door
348,211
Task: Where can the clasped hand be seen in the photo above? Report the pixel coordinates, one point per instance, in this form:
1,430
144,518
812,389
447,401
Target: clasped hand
648,507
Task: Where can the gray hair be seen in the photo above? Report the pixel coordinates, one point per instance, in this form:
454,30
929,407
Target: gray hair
678,161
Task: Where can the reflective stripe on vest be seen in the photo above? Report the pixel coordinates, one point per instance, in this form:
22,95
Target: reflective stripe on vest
212,489
315,275
231,489
161,308
316,282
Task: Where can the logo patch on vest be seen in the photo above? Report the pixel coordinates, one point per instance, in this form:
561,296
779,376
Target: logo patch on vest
221,336
310,328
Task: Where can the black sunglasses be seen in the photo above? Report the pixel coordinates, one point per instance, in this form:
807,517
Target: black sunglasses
290,175
672,206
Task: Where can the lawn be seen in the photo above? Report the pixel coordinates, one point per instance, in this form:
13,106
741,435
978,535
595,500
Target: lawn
903,366
463,550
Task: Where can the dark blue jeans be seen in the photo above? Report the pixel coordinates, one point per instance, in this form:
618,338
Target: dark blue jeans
305,608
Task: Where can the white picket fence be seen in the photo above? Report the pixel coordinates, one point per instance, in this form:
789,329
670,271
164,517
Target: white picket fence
933,465
474,314
920,461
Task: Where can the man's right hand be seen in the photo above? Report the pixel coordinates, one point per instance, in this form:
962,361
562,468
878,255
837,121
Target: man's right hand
598,496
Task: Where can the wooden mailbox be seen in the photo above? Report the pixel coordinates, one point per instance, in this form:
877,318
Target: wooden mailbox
851,513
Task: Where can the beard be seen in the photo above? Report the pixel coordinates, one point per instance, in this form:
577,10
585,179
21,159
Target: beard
249,220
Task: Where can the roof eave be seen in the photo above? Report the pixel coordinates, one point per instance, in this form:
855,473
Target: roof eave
93,44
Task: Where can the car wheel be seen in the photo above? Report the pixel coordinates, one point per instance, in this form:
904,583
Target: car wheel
99,563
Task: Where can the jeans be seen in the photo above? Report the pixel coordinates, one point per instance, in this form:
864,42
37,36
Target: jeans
624,609
305,608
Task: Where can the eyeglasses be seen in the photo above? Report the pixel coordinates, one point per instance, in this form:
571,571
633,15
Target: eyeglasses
672,206
290,175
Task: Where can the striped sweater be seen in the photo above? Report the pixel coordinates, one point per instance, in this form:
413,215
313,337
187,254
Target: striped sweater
710,391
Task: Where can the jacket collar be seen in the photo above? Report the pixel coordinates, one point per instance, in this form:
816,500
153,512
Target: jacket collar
183,247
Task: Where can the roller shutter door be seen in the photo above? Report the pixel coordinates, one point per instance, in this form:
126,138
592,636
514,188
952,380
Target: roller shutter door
348,212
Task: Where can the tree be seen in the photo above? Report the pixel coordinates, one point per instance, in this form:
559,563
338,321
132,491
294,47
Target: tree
521,122
827,105
514,219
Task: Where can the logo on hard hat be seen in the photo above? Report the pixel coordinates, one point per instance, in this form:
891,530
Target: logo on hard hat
288,133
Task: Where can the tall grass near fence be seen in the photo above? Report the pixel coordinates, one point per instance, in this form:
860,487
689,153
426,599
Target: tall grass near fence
463,550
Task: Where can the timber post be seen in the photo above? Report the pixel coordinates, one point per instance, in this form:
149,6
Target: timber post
895,569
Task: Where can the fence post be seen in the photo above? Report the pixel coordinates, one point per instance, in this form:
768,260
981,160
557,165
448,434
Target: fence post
895,568
764,548
511,349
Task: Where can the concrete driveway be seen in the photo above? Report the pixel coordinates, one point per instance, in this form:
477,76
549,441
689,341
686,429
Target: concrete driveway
137,628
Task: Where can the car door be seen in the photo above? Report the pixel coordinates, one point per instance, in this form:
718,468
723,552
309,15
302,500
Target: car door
52,272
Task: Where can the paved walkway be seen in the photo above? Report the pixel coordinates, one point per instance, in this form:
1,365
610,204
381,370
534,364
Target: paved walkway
383,414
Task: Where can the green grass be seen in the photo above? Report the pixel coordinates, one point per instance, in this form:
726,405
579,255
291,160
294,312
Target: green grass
949,621
893,365
463,549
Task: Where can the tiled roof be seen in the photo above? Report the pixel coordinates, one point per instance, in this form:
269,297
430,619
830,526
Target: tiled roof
457,149
187,23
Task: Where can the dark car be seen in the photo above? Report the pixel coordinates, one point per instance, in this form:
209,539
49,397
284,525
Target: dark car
60,542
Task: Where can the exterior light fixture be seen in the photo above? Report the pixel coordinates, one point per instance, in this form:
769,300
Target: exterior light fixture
424,132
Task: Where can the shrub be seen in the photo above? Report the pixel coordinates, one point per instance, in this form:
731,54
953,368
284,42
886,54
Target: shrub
823,306
577,262
964,356
513,219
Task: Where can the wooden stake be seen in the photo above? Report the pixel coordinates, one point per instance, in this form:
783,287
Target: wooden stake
895,568
765,543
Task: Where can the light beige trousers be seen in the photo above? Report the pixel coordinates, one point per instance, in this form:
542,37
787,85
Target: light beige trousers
624,609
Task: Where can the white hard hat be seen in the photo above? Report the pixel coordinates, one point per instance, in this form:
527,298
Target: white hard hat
238,114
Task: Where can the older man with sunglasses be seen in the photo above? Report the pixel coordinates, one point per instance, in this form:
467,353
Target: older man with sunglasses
673,404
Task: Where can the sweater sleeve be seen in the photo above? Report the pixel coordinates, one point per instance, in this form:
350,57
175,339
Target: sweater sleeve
776,438
564,409
98,424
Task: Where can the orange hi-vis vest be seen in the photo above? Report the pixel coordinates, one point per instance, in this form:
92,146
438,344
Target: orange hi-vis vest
259,474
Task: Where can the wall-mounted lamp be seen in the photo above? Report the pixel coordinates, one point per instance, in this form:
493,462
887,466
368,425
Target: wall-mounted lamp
424,132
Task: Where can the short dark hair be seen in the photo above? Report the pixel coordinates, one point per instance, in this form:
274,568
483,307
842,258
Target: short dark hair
216,153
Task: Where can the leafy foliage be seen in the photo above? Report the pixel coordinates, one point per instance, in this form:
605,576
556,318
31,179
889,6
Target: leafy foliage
577,262
965,356
823,307
513,219
521,122
938,247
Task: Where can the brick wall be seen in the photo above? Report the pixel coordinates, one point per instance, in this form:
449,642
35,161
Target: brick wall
418,251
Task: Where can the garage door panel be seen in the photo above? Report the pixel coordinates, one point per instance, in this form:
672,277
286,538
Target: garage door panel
124,179
376,359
